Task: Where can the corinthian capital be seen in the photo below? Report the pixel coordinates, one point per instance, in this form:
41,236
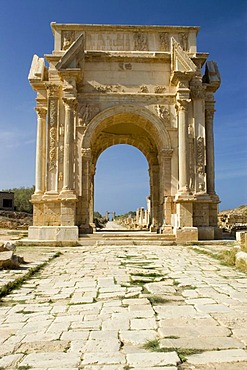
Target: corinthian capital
53,90
41,112
182,104
70,103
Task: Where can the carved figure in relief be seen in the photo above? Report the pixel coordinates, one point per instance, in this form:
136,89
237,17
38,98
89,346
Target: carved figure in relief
163,113
68,39
140,41
183,39
164,41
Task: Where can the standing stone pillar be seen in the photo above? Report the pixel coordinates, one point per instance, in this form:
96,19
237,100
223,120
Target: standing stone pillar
40,151
183,153
68,144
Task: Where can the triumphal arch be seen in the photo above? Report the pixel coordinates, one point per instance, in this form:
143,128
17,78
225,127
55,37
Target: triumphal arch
104,85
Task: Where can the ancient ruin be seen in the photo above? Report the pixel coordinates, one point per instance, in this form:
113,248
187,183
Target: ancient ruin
138,85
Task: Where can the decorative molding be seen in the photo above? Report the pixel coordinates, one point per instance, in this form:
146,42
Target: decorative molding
52,147
53,112
200,155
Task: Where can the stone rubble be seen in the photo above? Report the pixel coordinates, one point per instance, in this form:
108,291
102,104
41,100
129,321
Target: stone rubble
84,311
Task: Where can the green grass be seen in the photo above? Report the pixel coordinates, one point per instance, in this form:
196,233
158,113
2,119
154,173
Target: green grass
154,346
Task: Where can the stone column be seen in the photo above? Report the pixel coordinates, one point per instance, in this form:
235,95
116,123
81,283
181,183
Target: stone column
183,146
209,112
40,151
68,144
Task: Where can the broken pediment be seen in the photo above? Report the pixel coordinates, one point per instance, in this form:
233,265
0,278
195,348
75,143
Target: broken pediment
38,69
73,56
181,63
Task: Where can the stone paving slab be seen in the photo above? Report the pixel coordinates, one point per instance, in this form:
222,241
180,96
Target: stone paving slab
84,311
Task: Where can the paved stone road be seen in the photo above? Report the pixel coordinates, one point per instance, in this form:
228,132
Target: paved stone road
126,308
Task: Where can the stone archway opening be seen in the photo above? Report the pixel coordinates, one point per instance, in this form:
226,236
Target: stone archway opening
122,182
124,128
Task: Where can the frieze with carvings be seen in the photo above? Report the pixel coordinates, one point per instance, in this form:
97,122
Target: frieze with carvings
160,89
68,37
108,88
140,41
164,41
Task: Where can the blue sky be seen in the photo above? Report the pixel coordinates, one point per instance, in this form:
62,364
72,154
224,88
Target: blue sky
121,181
